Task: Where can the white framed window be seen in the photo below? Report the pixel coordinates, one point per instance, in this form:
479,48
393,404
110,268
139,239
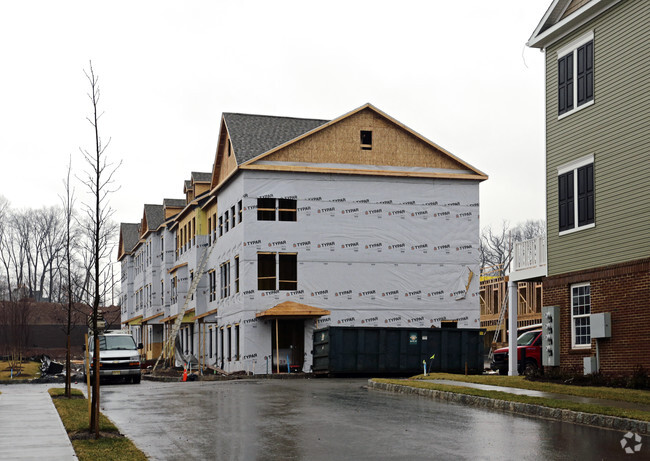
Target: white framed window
576,203
581,316
575,70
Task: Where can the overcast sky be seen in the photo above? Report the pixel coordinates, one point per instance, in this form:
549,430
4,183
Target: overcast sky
457,72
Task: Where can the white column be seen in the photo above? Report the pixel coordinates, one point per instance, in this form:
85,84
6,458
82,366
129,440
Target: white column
512,327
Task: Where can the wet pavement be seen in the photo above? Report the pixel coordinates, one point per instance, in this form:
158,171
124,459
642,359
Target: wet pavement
336,419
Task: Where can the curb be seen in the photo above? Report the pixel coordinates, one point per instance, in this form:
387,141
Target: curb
209,377
570,416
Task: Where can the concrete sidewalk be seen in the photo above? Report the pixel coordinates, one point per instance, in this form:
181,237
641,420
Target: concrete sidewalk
30,427
550,395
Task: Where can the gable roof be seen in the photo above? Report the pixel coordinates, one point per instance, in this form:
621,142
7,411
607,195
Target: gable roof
129,237
155,216
174,202
198,176
563,16
253,135
472,172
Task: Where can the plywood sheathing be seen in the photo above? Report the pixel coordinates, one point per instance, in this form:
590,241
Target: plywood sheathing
173,206
293,309
340,143
224,164
393,145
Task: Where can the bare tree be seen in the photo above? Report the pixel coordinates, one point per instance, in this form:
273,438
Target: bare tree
5,241
68,207
50,228
99,182
20,231
15,320
495,249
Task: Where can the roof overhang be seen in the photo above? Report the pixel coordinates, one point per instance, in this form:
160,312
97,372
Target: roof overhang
568,24
206,314
188,317
137,320
153,317
475,173
292,310
175,268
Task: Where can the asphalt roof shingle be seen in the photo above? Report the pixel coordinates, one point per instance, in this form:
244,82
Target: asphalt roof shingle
174,202
198,176
253,135
130,235
155,216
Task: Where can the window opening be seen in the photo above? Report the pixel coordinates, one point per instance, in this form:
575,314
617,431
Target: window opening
287,209
366,140
288,263
266,209
266,271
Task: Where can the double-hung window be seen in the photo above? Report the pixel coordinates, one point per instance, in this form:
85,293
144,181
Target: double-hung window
581,315
576,195
575,66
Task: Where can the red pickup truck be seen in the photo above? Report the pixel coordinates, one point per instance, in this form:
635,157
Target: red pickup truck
529,354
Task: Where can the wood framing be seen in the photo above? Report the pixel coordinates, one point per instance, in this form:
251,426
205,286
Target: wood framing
393,144
492,294
291,309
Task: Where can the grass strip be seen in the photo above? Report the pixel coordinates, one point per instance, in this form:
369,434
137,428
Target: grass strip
74,415
542,401
30,370
595,392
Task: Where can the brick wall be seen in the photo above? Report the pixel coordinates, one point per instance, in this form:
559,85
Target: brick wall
624,291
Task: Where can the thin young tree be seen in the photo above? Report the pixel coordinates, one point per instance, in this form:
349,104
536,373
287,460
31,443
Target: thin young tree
68,206
99,182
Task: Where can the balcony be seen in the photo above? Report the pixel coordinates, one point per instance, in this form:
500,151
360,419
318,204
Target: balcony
529,261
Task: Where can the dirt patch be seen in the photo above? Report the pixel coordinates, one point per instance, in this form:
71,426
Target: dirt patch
85,435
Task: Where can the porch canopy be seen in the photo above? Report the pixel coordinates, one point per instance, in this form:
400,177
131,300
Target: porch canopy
286,311
292,310
137,320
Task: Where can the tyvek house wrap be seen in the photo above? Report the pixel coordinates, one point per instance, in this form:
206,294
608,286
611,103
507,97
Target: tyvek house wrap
373,251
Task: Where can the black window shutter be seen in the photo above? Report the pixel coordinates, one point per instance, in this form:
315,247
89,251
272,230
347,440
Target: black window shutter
565,199
565,84
561,82
585,73
569,84
589,71
586,195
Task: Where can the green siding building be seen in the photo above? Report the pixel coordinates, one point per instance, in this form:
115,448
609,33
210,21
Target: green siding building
597,176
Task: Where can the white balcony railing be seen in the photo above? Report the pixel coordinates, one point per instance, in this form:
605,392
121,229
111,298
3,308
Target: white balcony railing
529,259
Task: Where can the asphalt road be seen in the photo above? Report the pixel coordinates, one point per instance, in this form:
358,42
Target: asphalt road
336,419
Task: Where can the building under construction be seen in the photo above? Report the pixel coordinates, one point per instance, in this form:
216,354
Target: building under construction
493,295
303,224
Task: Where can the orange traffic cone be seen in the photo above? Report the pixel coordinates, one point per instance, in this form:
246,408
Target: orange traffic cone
185,374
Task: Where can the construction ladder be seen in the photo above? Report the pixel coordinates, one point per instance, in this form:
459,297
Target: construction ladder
169,343
502,314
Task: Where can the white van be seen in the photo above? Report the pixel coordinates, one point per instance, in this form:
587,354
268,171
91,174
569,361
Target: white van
119,357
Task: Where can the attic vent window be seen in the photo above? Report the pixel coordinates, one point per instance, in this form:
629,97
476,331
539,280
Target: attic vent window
366,140
229,148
